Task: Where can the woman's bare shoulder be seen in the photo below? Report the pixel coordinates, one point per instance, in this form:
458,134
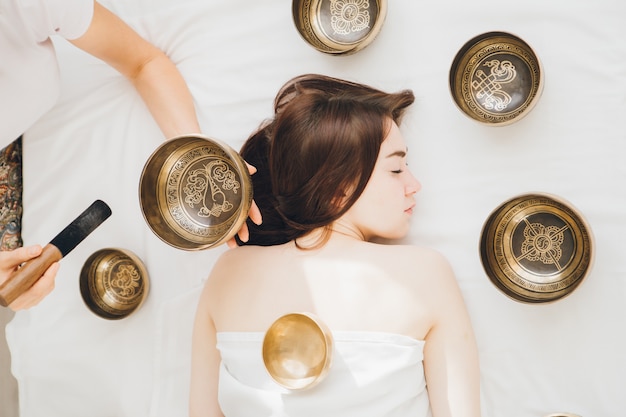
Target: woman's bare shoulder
234,268
246,261
420,265
414,254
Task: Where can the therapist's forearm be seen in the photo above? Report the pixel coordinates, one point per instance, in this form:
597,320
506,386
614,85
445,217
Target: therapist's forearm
153,74
167,97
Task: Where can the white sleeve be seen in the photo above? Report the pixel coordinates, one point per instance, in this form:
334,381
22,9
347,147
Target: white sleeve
67,18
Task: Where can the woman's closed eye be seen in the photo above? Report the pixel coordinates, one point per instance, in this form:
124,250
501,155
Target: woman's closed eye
400,170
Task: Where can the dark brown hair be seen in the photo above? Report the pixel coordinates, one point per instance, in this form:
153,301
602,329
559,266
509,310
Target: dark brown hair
315,157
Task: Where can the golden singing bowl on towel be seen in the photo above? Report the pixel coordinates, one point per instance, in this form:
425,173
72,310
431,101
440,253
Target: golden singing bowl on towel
297,351
195,192
496,78
339,26
536,248
113,283
562,415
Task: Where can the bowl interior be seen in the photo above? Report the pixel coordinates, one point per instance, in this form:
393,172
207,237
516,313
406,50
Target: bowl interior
496,78
297,351
113,283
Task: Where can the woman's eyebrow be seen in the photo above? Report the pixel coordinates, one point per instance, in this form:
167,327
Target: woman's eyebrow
401,154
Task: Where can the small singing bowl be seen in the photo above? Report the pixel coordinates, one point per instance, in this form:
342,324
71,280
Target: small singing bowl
195,192
339,26
297,351
113,283
562,415
536,248
496,78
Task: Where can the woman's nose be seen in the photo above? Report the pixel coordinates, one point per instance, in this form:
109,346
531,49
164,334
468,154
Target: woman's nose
413,185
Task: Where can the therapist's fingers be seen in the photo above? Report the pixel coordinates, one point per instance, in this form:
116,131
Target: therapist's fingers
232,243
255,213
38,291
243,235
9,260
251,168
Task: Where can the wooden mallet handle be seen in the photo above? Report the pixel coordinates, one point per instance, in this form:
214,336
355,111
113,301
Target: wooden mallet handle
63,243
27,274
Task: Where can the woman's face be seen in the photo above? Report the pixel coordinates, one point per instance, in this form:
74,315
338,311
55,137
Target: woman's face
384,209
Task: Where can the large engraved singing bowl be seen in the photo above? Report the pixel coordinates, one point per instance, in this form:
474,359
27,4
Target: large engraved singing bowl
339,27
536,248
297,351
496,78
195,192
113,283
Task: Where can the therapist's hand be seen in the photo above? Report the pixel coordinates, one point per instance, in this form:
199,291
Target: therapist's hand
254,214
11,260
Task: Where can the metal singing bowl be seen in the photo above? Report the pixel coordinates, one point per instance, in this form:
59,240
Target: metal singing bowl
297,351
339,26
195,192
496,78
536,248
113,283
562,415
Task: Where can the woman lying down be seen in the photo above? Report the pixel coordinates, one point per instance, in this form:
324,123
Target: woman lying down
332,176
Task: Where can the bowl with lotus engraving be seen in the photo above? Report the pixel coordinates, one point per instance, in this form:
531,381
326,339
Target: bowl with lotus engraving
114,283
339,27
297,351
496,78
536,248
195,192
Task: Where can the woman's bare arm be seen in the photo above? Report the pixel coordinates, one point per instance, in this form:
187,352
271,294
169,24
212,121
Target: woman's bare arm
205,361
153,74
451,355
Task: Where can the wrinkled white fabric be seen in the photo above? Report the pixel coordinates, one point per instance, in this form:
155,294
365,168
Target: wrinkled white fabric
371,375
94,142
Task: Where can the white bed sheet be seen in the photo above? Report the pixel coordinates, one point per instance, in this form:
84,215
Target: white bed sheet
235,54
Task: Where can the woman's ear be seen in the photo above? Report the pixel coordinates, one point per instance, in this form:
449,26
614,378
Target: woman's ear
339,200
343,195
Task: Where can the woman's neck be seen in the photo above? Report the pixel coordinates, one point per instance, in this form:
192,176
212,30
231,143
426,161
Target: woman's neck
340,230
344,228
